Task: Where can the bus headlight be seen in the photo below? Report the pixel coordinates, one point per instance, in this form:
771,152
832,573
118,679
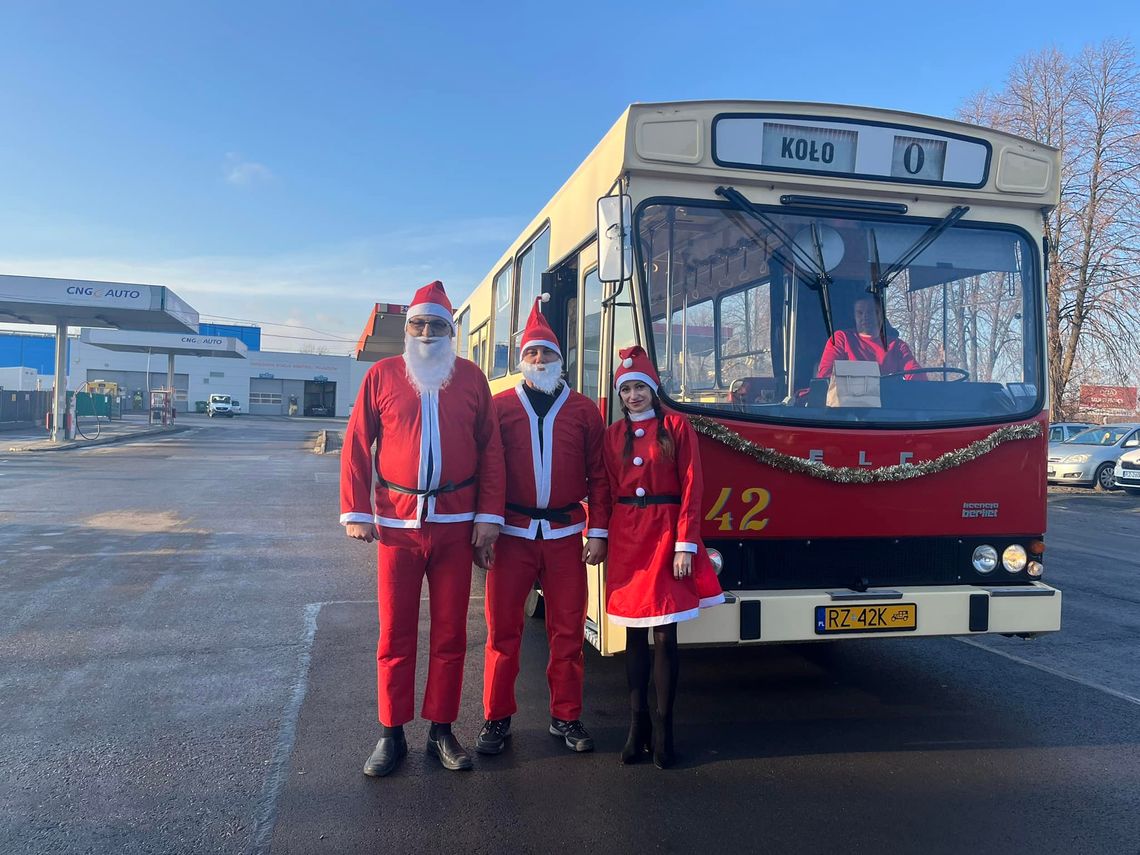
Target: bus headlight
1014,558
1035,569
717,560
985,559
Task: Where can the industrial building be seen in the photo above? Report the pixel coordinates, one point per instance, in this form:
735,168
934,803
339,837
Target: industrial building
264,382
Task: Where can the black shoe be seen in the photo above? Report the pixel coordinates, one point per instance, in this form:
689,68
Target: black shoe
387,754
450,753
573,733
639,742
493,737
663,756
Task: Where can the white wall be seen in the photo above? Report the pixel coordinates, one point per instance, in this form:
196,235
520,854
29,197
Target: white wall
236,373
21,379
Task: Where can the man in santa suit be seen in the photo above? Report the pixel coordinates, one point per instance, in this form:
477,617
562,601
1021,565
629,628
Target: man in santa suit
438,496
552,440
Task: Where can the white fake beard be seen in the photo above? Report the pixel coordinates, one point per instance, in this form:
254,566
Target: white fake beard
545,377
429,362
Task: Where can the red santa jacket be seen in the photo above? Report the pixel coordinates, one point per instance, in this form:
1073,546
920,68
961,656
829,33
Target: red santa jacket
848,344
649,473
455,426
558,472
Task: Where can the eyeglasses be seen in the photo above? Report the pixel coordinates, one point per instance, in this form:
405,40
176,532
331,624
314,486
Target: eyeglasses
436,327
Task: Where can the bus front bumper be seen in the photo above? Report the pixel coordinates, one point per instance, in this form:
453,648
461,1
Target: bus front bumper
769,617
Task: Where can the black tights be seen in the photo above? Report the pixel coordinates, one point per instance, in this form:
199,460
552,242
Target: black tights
665,667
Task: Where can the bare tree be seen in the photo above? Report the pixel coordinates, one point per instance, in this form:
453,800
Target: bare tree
1088,107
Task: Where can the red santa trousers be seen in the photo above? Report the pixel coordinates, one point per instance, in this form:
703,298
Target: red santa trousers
557,564
442,552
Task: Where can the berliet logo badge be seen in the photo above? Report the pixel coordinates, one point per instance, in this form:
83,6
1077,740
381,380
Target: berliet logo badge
973,510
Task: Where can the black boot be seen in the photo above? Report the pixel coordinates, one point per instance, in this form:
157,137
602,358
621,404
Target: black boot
389,751
640,737
663,756
443,744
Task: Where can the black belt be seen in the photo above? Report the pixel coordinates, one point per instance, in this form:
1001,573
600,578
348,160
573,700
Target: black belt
449,487
559,515
645,501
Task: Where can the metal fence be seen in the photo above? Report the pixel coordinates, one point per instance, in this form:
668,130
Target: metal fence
22,410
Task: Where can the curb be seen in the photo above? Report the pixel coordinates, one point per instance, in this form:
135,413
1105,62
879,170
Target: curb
89,443
327,442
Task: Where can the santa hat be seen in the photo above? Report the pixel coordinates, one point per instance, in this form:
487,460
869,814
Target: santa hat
432,300
635,365
538,331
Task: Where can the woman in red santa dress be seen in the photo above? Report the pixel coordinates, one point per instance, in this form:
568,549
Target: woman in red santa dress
658,572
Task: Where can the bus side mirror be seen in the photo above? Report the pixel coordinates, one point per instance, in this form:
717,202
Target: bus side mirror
615,250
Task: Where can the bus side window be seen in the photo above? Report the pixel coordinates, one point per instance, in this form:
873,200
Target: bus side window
501,326
591,334
479,348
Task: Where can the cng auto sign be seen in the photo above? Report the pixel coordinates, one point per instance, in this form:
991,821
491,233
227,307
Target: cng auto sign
1121,398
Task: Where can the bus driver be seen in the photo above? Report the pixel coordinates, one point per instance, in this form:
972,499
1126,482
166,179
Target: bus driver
865,344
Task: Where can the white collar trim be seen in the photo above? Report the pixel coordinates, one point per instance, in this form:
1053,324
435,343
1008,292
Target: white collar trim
642,417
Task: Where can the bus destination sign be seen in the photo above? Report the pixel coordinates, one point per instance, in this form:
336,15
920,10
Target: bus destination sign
851,149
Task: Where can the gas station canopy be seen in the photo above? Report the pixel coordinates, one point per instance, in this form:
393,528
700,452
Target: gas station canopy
383,334
83,303
64,303
168,343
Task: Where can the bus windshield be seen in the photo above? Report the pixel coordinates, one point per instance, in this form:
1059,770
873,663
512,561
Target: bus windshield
762,315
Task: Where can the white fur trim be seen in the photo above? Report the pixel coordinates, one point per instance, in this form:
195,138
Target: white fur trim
490,518
354,517
388,522
706,602
634,375
431,309
540,342
656,620
550,533
685,546
642,417
450,518
598,532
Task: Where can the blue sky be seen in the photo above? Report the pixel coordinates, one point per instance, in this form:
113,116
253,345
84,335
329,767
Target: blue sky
291,163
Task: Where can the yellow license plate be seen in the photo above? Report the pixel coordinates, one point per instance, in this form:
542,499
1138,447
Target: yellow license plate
896,617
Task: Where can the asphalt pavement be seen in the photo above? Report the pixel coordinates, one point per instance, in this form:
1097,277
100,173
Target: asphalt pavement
188,645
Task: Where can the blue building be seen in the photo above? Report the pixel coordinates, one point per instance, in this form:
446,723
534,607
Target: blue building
249,336
29,350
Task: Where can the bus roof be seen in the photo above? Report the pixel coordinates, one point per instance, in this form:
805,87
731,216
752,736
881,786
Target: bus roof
675,141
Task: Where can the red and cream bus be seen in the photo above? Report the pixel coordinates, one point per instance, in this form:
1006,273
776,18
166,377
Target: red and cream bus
893,496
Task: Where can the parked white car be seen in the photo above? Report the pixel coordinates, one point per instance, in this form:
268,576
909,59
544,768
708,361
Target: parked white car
220,405
1127,472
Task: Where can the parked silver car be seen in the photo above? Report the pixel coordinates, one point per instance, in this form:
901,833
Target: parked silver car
1064,431
1089,458
1128,471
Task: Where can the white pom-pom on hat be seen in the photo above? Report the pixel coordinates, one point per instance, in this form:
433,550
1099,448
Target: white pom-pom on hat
544,296
627,363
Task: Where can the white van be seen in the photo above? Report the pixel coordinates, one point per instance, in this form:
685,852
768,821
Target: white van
220,405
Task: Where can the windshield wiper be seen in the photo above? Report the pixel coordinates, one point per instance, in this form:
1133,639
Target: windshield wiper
815,266
881,281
